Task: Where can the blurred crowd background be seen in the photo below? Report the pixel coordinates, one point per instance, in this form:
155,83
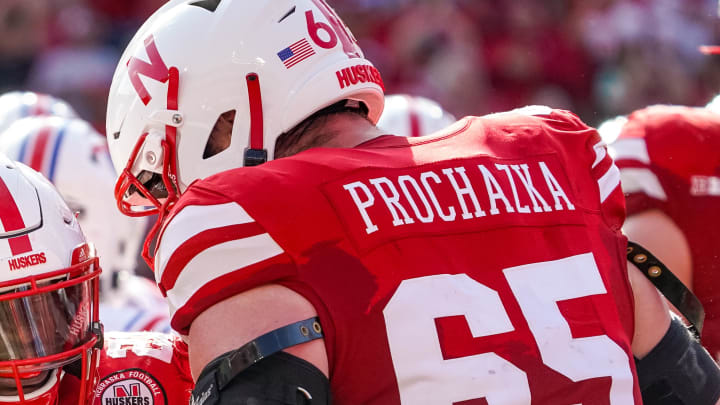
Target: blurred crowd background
598,58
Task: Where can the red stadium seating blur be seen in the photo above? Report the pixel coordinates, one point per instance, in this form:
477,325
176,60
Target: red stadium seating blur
598,58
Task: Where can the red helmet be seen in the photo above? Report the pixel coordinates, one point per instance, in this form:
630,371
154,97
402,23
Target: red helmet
48,292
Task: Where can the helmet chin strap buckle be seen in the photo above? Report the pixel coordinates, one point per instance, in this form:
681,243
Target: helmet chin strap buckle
75,368
150,157
98,329
254,157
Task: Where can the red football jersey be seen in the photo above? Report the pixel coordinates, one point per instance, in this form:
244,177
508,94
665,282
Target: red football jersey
137,368
669,158
481,265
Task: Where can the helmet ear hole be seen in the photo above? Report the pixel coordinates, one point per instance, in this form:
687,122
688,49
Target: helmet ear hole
221,134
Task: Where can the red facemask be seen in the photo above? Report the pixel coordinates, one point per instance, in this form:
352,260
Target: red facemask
50,322
128,184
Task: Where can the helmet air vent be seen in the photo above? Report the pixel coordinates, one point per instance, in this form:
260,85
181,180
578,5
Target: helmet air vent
221,134
209,5
288,14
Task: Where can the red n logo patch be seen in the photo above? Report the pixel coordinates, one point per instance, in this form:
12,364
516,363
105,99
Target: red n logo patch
156,69
132,390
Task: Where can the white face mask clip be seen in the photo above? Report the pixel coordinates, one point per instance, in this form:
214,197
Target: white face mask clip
172,118
151,154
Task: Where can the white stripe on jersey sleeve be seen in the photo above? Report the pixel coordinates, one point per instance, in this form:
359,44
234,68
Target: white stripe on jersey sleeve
600,153
192,220
529,110
630,149
609,182
218,261
637,180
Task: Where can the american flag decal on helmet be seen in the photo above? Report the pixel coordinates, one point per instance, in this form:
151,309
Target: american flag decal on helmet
296,53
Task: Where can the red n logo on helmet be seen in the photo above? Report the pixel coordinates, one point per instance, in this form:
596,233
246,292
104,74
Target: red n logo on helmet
156,69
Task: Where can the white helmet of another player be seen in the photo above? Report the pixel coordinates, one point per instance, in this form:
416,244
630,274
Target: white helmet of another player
264,64
20,104
714,105
406,115
48,290
75,158
611,129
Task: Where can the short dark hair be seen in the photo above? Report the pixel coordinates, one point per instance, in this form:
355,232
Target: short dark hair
306,135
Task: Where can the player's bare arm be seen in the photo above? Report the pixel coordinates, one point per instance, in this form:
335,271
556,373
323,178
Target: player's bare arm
236,321
652,316
657,232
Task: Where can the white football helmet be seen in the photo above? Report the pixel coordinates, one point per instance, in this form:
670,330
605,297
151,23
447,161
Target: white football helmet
20,104
714,105
75,158
273,62
611,129
410,116
48,291
136,305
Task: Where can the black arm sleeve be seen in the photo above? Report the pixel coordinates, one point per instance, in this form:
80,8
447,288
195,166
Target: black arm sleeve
280,379
678,371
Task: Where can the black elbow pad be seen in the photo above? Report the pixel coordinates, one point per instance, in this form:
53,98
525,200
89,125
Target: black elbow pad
678,371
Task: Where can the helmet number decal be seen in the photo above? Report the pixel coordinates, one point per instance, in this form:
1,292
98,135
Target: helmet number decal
314,29
335,30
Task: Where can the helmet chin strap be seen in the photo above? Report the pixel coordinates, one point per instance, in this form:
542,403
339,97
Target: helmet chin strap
169,160
255,154
169,173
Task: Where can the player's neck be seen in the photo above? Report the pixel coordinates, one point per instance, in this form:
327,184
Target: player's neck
348,131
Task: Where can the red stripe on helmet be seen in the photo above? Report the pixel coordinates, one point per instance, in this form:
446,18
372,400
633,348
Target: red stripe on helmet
20,245
12,220
42,105
415,130
148,327
38,154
